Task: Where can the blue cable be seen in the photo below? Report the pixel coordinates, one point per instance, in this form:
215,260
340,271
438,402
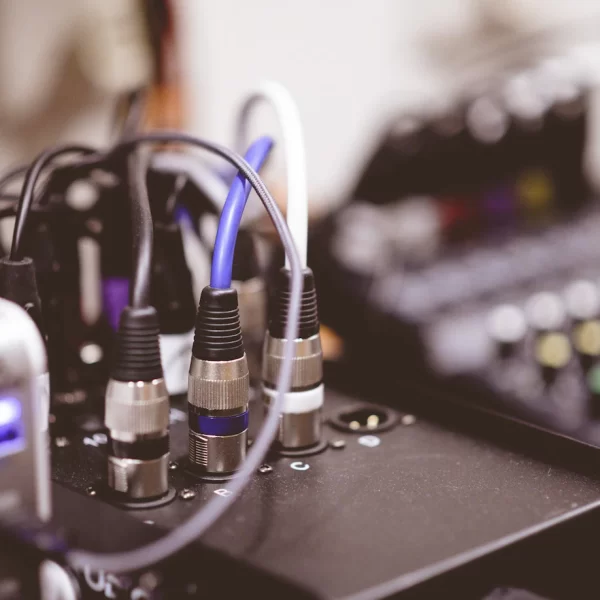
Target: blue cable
231,216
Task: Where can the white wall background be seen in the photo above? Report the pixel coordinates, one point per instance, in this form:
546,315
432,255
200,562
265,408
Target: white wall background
349,63
346,63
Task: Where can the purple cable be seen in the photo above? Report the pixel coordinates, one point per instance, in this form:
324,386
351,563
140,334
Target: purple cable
231,216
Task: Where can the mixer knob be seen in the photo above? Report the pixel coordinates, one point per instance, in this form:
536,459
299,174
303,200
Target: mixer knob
545,312
507,326
586,340
582,300
552,353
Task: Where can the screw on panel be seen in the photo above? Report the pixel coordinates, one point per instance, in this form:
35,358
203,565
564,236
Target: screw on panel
150,581
265,469
91,491
173,466
187,494
337,444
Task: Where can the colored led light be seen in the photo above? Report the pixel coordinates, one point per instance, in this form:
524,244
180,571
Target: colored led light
587,338
499,202
593,380
535,190
230,425
553,350
10,411
11,427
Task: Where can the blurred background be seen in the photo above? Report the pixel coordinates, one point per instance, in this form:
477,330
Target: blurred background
453,153
65,65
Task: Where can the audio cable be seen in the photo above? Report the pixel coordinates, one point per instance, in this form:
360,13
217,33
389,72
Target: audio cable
208,181
218,386
137,401
209,514
231,216
288,116
13,174
301,421
27,190
186,533
18,281
17,273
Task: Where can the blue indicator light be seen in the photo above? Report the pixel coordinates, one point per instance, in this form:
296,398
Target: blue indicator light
12,435
221,425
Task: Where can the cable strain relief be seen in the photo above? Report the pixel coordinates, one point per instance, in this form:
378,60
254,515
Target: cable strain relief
218,335
18,284
308,324
137,351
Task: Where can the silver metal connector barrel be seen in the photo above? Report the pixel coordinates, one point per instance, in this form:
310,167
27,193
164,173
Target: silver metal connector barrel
307,366
218,415
300,422
139,479
137,417
219,385
217,453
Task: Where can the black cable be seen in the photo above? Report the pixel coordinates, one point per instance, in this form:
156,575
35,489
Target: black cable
14,173
171,203
136,106
142,230
231,157
164,547
26,198
139,188
142,217
7,211
234,159
8,177
11,209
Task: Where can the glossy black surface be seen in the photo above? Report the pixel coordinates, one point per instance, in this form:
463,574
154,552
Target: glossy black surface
370,519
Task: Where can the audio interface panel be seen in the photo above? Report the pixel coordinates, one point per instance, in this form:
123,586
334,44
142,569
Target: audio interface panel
202,449
397,505
468,260
522,327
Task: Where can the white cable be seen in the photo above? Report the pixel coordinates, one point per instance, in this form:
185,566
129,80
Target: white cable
287,113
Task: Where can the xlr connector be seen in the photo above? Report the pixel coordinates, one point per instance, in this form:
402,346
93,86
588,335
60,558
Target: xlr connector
218,386
137,410
301,420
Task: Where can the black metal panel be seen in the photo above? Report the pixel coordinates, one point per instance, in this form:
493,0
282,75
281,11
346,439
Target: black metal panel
364,522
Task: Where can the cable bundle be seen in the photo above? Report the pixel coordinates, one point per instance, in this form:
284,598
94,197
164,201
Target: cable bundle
294,243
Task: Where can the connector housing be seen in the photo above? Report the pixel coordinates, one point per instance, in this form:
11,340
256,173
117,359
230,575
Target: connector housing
301,419
137,410
219,385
